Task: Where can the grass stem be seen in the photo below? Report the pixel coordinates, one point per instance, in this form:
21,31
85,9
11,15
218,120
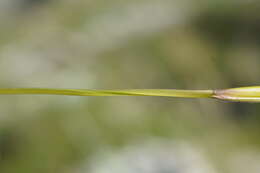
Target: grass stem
242,94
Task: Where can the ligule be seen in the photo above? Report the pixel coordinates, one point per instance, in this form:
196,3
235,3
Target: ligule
242,94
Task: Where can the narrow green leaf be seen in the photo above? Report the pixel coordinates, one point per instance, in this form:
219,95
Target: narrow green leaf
129,92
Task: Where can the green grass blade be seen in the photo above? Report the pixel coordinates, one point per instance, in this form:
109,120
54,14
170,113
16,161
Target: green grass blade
129,92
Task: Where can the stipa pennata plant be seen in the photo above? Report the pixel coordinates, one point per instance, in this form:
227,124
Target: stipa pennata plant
242,94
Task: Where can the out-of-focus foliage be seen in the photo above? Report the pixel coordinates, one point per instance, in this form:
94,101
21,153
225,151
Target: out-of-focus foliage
107,44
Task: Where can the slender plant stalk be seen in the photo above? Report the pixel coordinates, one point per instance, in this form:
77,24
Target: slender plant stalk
243,94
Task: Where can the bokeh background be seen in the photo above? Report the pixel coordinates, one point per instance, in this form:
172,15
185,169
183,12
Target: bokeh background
114,44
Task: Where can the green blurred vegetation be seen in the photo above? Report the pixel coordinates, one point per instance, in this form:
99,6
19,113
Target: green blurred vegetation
126,44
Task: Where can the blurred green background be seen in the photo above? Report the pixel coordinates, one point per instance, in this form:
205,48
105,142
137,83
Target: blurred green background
114,44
